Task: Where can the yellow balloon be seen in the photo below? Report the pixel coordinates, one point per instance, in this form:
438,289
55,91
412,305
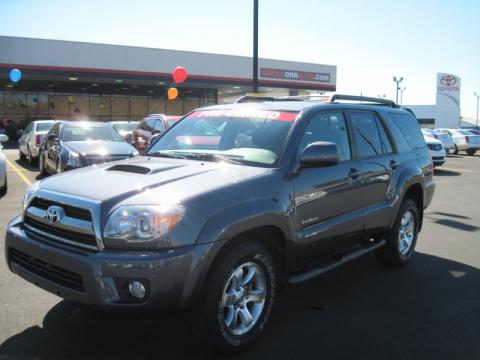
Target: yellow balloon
172,93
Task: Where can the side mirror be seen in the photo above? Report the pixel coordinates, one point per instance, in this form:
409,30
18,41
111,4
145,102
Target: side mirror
52,137
3,138
320,154
128,138
19,133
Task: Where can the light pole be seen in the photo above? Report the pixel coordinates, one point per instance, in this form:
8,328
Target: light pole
397,81
255,46
477,96
401,94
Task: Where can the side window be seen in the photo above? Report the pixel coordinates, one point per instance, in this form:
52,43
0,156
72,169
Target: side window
28,129
367,135
149,124
386,145
410,129
328,126
158,125
54,130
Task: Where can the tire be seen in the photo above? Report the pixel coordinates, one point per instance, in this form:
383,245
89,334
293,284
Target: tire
21,155
454,151
41,163
471,152
234,327
30,159
402,238
4,188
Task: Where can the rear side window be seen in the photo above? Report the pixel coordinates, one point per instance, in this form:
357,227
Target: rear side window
410,129
370,136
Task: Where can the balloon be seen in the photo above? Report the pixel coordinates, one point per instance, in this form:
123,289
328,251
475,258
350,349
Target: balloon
172,93
15,75
179,75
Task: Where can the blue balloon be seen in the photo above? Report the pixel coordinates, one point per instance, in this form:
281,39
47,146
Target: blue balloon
15,75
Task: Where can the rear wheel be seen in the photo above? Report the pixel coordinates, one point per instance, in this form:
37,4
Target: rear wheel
236,301
4,188
30,159
21,155
454,151
402,238
41,163
471,152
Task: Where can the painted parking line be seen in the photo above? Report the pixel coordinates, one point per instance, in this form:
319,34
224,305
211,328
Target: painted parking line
19,173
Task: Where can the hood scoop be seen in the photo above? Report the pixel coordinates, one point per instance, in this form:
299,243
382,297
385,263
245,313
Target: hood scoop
130,169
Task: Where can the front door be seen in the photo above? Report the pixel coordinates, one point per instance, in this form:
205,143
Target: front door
329,199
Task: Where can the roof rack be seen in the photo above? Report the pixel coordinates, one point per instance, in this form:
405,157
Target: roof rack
364,98
253,98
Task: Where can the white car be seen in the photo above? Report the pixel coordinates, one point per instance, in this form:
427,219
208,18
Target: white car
31,139
464,140
435,146
445,138
3,166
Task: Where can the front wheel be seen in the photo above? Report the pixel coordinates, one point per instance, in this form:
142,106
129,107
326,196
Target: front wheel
237,299
471,152
402,238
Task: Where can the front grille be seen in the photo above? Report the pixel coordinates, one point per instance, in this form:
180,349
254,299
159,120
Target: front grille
434,147
71,211
85,239
47,271
437,158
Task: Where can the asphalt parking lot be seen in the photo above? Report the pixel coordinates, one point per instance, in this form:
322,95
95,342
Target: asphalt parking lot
429,309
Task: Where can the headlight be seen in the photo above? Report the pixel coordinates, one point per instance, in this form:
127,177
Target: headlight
141,225
29,194
73,160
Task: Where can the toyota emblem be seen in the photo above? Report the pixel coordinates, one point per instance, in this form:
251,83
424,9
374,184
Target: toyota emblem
448,80
54,214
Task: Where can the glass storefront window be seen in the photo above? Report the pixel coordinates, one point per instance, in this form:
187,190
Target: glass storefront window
79,108
156,105
174,107
58,105
99,105
138,106
15,104
120,106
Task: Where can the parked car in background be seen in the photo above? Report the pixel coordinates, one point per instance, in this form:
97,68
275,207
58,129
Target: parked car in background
445,138
125,128
464,140
74,144
435,146
31,139
3,166
472,129
153,124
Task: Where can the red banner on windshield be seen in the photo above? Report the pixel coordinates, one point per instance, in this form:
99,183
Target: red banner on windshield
247,113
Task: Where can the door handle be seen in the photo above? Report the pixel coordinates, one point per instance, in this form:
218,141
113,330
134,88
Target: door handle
353,173
393,164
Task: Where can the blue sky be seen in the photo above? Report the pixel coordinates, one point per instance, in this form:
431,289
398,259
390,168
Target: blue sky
369,41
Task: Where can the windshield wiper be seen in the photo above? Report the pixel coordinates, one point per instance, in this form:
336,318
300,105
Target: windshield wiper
167,155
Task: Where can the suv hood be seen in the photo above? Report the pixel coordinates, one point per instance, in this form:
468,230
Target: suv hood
100,147
149,180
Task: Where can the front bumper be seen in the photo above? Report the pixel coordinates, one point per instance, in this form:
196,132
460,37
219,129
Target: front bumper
101,279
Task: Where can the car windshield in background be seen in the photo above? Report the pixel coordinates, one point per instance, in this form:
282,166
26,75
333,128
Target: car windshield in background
251,137
126,126
465,132
44,126
84,133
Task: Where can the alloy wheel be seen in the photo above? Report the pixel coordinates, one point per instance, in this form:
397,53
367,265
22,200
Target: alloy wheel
406,232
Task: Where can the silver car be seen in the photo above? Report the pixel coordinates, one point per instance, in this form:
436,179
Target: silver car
464,140
3,166
445,138
31,139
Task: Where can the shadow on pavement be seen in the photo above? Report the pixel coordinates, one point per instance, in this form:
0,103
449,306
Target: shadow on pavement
451,215
443,172
359,311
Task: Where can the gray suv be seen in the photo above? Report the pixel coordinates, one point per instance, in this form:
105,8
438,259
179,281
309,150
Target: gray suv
227,207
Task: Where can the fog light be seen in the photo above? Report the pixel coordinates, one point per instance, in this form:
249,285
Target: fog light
136,289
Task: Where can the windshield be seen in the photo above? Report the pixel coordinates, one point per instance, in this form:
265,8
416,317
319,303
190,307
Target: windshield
252,137
44,126
125,126
84,133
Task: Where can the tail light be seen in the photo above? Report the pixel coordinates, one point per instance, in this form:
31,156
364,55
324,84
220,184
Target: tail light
467,139
38,140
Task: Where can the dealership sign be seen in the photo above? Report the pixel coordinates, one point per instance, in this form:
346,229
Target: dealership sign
448,83
295,75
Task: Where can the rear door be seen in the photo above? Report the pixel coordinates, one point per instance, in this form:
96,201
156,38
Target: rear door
329,199
379,163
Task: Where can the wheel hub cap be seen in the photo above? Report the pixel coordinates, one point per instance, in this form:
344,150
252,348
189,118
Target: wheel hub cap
406,232
243,298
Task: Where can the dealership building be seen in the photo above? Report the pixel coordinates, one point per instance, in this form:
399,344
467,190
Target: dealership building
75,80
445,113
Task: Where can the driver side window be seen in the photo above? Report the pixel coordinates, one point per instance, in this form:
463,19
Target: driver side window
328,126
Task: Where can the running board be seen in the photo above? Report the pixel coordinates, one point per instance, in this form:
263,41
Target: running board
320,270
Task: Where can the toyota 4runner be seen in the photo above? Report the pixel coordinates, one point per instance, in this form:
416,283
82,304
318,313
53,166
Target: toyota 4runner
227,207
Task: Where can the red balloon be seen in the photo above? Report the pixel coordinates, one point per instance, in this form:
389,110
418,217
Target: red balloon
179,75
